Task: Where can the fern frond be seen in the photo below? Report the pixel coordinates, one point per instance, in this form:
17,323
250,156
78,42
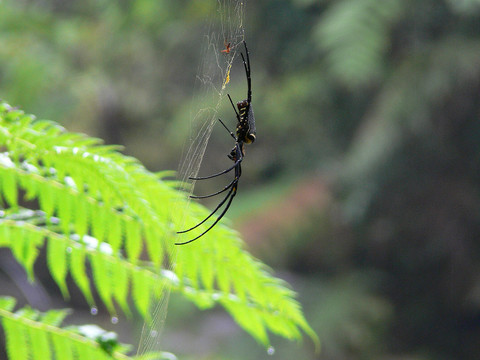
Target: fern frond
241,284
113,275
96,205
354,36
37,336
422,80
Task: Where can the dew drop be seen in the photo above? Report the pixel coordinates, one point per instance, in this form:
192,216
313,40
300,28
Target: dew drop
154,333
271,350
69,249
114,320
94,310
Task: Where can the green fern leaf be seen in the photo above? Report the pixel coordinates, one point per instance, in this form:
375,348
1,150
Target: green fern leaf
30,242
65,212
190,257
120,282
223,280
54,317
78,271
17,345
141,293
57,263
7,303
249,320
63,349
80,209
99,222
134,240
5,235
9,187
207,275
115,233
30,186
154,246
47,198
40,347
101,269
18,244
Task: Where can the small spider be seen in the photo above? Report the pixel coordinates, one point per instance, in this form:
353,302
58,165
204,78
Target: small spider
245,134
227,48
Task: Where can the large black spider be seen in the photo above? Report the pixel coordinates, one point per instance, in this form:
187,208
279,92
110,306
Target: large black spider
245,134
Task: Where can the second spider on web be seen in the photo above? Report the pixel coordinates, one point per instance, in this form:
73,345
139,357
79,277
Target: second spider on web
244,134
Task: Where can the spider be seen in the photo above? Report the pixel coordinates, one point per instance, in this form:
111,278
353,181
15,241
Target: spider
245,134
227,48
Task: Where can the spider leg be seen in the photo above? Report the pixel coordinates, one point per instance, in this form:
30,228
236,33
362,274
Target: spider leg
225,126
247,71
220,173
216,221
216,193
213,212
234,108
237,162
231,194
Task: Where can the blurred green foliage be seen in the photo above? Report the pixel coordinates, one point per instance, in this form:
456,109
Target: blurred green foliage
368,131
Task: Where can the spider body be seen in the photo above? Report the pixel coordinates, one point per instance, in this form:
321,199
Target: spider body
246,124
245,133
227,48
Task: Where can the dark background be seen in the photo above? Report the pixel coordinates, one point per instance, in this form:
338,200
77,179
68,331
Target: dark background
362,189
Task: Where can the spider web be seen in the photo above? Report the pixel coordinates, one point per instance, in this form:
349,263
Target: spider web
225,26
213,76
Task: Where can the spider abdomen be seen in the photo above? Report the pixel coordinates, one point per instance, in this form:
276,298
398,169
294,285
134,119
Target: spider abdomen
246,126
